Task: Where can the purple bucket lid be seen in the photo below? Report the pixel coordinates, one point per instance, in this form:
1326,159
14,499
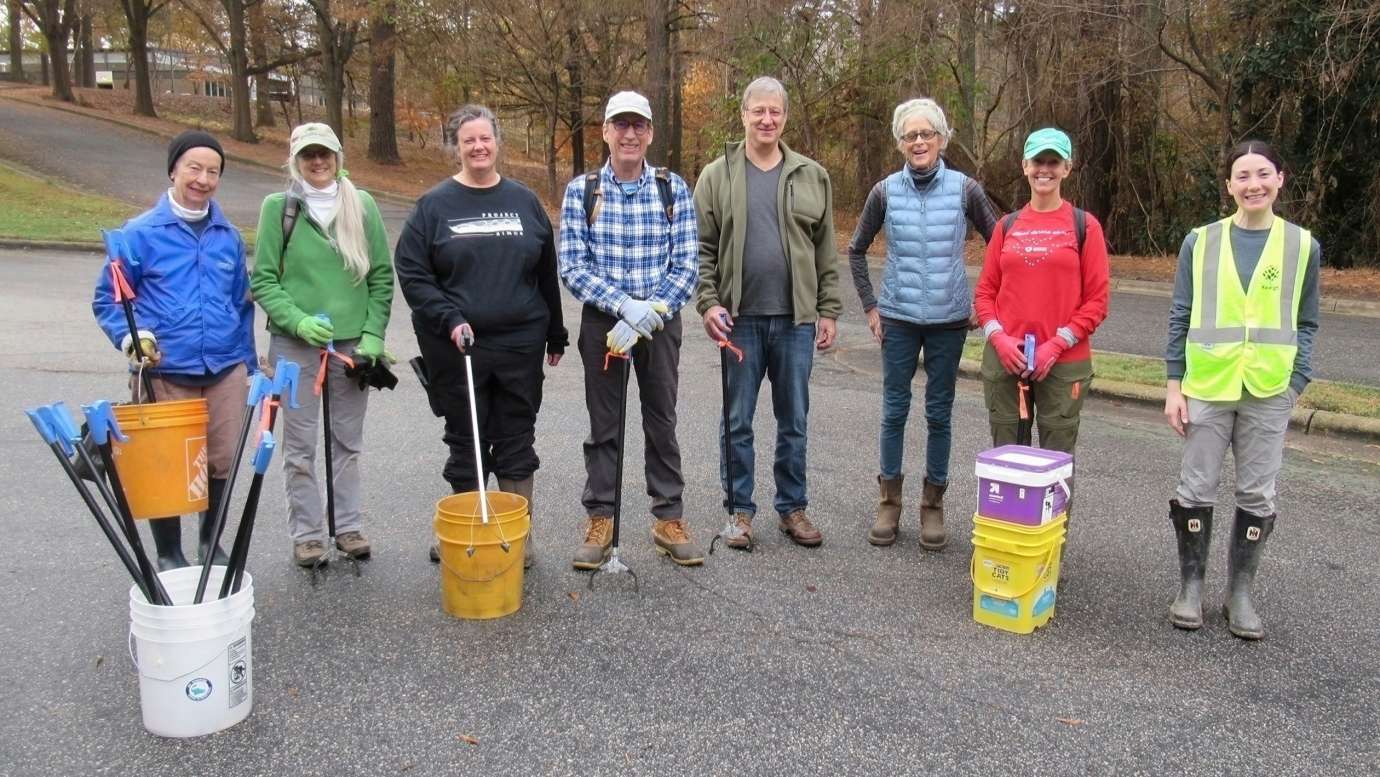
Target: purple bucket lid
1024,458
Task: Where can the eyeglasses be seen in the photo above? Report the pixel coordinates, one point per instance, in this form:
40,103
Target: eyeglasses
925,135
639,126
761,111
315,152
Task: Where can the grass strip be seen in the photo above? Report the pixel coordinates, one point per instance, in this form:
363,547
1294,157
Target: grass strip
1333,396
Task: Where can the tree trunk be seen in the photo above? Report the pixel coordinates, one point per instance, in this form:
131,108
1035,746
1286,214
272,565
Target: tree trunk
16,41
258,47
239,69
658,74
62,76
43,68
676,137
86,54
383,128
136,13
967,87
577,101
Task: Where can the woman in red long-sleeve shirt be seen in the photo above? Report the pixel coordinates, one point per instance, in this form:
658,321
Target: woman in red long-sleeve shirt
1042,277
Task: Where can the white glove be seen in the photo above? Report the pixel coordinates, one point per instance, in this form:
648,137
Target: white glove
621,338
644,317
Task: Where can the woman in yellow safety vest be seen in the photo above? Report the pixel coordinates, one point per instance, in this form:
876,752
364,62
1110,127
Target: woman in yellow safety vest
1241,331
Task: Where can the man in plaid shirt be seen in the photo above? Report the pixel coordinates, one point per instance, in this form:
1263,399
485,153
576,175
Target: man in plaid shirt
632,262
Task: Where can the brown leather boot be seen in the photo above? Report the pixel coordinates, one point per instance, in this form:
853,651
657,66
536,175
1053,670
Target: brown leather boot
523,488
883,532
932,534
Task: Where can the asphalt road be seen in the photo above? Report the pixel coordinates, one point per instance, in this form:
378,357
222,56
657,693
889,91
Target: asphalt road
846,659
130,165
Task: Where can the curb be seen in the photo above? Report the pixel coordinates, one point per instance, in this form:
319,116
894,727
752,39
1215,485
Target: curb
52,245
394,197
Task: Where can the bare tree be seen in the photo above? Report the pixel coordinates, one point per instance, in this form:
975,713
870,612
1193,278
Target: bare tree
56,19
383,133
138,13
16,35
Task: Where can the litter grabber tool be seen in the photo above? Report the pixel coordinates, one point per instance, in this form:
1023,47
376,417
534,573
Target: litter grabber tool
258,389
239,552
1023,398
286,376
614,565
45,419
467,340
117,250
731,530
102,426
323,390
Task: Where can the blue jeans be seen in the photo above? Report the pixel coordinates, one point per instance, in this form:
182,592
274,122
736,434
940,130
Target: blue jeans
903,344
784,352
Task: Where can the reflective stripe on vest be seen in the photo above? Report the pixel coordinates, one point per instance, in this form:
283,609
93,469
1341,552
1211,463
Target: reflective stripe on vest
1244,337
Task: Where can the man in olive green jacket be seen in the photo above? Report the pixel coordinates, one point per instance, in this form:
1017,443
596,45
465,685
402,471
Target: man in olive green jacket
768,282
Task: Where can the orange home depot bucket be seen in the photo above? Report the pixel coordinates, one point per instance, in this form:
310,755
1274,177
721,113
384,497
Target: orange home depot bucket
479,579
163,464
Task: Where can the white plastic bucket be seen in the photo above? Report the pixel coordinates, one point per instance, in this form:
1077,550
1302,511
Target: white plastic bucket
194,660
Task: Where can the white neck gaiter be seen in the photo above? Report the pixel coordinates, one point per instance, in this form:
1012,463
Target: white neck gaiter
322,203
186,214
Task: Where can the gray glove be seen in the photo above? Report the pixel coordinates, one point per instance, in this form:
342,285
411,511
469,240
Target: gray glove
644,317
621,338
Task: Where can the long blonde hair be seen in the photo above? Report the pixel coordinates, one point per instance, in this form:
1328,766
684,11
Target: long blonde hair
350,237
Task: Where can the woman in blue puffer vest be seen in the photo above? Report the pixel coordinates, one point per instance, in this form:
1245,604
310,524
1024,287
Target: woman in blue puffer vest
925,308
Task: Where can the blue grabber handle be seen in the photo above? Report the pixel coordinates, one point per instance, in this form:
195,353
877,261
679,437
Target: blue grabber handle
285,378
40,418
1030,352
115,246
100,419
330,344
264,453
62,422
259,387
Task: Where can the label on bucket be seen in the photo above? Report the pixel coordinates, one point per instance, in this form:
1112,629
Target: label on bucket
198,689
1045,602
237,669
1004,607
196,469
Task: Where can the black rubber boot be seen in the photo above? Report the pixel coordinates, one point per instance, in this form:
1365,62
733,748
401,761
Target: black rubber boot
1193,527
208,520
434,553
1248,535
167,541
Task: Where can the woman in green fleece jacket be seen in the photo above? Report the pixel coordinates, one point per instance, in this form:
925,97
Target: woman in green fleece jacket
329,281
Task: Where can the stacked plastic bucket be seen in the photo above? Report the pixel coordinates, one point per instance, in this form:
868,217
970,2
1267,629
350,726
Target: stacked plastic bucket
194,660
1018,535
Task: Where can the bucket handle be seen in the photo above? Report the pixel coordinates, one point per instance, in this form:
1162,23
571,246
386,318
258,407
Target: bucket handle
132,659
1049,559
517,559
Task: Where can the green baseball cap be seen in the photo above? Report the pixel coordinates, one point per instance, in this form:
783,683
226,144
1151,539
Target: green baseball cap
1048,139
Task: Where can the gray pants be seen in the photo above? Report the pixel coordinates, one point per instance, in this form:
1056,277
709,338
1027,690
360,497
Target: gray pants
301,430
1254,429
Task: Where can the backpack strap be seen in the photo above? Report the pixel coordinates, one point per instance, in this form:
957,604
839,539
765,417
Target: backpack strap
663,188
292,207
1007,223
594,197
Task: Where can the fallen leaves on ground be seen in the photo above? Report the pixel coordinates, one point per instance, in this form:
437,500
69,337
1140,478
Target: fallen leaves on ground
574,596
469,740
1071,721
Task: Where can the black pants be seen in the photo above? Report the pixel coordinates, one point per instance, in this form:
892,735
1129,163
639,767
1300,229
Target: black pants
657,364
507,387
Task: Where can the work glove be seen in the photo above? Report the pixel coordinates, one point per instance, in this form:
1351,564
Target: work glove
1046,355
1009,352
315,331
370,348
622,337
643,316
148,343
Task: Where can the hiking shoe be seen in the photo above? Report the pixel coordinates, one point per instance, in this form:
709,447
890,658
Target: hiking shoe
672,540
798,526
598,538
353,544
307,553
742,523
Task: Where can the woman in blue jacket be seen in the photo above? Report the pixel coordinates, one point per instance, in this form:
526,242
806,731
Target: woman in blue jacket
925,306
193,314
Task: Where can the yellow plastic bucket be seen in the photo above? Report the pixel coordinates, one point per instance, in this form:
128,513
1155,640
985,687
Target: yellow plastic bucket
163,465
1015,573
487,583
